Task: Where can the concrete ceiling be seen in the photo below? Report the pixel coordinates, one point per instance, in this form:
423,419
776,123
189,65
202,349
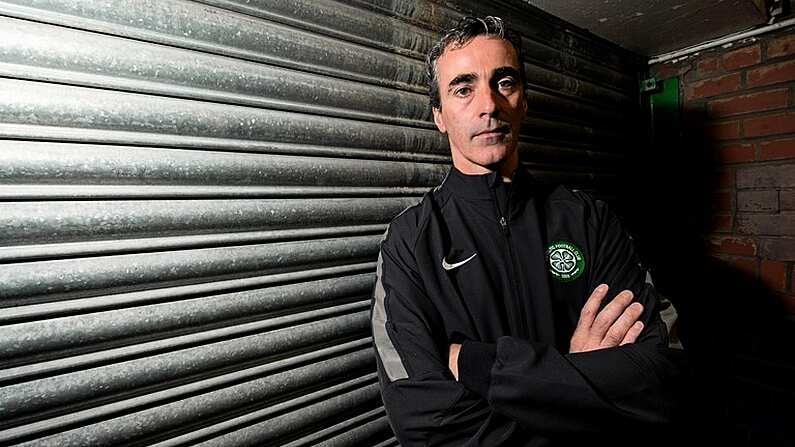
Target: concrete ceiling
653,27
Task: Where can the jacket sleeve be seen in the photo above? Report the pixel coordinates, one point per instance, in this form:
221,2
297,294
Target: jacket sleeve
424,403
610,389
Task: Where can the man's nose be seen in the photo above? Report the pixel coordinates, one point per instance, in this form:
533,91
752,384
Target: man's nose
488,102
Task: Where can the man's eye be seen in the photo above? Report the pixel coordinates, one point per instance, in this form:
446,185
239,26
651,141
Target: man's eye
506,83
463,91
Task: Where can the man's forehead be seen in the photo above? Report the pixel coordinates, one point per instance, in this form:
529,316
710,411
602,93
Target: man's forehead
480,54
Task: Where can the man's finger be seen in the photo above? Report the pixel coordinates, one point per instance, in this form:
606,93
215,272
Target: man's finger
610,313
591,307
633,333
452,360
622,325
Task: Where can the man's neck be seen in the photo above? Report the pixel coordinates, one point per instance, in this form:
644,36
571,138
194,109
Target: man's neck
506,169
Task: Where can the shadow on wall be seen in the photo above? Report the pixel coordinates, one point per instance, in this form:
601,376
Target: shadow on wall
739,339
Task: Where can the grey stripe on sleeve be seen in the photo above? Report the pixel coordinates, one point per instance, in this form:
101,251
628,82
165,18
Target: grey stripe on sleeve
393,365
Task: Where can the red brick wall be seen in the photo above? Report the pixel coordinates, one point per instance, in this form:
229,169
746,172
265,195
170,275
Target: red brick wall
743,98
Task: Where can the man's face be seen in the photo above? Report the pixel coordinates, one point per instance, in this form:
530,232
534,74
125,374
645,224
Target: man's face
482,104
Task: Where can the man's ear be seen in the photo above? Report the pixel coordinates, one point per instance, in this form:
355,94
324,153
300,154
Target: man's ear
437,118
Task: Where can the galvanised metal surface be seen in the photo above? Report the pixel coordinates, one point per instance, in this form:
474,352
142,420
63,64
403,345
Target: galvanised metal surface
216,30
80,110
150,423
339,20
28,162
40,337
27,222
66,55
70,277
192,194
156,370
318,408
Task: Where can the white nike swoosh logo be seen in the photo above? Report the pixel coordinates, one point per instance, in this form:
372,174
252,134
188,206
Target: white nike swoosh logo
447,266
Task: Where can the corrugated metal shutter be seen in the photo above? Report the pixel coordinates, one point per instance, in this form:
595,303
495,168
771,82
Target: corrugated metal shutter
192,195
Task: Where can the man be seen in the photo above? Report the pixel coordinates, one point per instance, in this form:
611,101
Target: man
489,315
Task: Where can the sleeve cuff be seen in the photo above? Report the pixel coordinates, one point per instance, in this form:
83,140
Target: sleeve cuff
474,366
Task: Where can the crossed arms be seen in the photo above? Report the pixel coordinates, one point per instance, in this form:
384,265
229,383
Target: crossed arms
615,375
615,325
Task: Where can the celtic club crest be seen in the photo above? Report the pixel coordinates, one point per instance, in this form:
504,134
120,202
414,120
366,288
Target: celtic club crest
565,261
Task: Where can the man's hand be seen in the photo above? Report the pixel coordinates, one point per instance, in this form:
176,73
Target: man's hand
617,324
452,359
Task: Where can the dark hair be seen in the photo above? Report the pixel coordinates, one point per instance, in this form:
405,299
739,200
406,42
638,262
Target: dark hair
467,29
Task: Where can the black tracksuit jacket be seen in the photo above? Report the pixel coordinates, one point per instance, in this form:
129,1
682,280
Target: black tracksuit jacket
518,383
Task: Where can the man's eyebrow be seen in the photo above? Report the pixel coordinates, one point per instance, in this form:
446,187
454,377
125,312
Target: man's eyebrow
462,79
505,71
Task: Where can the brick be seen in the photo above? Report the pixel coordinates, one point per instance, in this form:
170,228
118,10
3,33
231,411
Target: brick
742,57
720,223
714,86
758,201
780,249
781,176
749,266
722,201
782,46
787,303
769,125
693,114
723,131
735,153
777,149
724,179
771,74
787,200
752,102
782,224
733,246
707,66
773,274
670,70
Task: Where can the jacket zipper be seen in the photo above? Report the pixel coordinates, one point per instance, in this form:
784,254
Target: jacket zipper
506,232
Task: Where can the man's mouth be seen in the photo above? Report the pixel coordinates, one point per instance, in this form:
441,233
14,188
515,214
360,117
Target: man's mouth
494,131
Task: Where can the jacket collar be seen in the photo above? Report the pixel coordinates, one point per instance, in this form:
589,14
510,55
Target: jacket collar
481,186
